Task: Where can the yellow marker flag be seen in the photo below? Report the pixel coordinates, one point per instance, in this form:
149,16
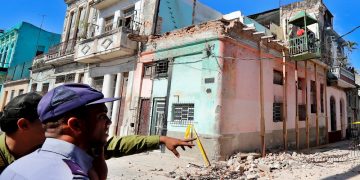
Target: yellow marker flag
189,132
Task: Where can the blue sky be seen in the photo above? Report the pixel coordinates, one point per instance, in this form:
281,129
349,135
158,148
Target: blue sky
15,11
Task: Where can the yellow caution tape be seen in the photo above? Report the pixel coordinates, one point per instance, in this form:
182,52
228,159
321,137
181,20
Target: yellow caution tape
358,122
190,130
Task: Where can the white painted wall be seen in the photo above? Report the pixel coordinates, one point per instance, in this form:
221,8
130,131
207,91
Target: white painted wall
40,78
117,11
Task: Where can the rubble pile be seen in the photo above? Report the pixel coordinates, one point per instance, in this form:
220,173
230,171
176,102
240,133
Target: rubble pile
253,166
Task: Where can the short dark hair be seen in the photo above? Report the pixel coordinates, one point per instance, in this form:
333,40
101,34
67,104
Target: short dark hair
22,106
57,121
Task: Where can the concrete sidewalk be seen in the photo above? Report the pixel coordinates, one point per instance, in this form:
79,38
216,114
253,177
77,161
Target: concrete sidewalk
152,165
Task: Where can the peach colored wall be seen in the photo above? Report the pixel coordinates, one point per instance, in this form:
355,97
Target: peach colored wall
241,94
138,89
145,84
338,94
24,86
146,88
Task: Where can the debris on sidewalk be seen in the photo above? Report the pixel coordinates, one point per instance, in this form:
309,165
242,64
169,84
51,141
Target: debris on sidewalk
253,166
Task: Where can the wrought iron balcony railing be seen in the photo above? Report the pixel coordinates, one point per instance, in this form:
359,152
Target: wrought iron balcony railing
62,49
304,44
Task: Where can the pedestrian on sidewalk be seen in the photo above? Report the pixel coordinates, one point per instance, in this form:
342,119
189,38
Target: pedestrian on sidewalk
76,126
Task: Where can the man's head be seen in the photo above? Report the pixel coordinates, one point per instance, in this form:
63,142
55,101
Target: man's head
75,113
20,118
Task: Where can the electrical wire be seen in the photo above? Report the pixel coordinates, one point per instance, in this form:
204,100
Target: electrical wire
349,32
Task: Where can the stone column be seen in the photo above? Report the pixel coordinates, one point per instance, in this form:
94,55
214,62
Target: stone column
87,79
127,119
108,90
116,104
77,78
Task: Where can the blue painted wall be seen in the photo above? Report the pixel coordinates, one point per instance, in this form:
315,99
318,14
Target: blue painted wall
24,40
176,14
190,69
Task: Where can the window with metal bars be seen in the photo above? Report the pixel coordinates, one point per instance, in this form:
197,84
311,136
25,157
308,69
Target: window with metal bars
158,69
161,69
60,79
277,112
68,78
183,113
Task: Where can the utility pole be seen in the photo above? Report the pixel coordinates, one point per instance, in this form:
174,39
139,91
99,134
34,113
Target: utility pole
194,10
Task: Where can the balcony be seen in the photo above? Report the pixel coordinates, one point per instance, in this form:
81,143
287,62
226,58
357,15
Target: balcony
345,77
60,54
39,64
102,4
304,47
112,43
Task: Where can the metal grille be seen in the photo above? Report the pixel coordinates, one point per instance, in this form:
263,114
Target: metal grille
183,114
303,44
161,69
61,49
70,77
158,122
65,78
60,79
277,112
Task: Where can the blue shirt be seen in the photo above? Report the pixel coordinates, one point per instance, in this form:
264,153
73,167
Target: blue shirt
55,160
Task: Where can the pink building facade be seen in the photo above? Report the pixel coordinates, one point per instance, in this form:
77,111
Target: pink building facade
248,104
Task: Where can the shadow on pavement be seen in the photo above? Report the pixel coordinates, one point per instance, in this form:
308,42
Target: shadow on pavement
346,175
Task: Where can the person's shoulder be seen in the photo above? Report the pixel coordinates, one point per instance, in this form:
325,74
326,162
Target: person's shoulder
33,167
